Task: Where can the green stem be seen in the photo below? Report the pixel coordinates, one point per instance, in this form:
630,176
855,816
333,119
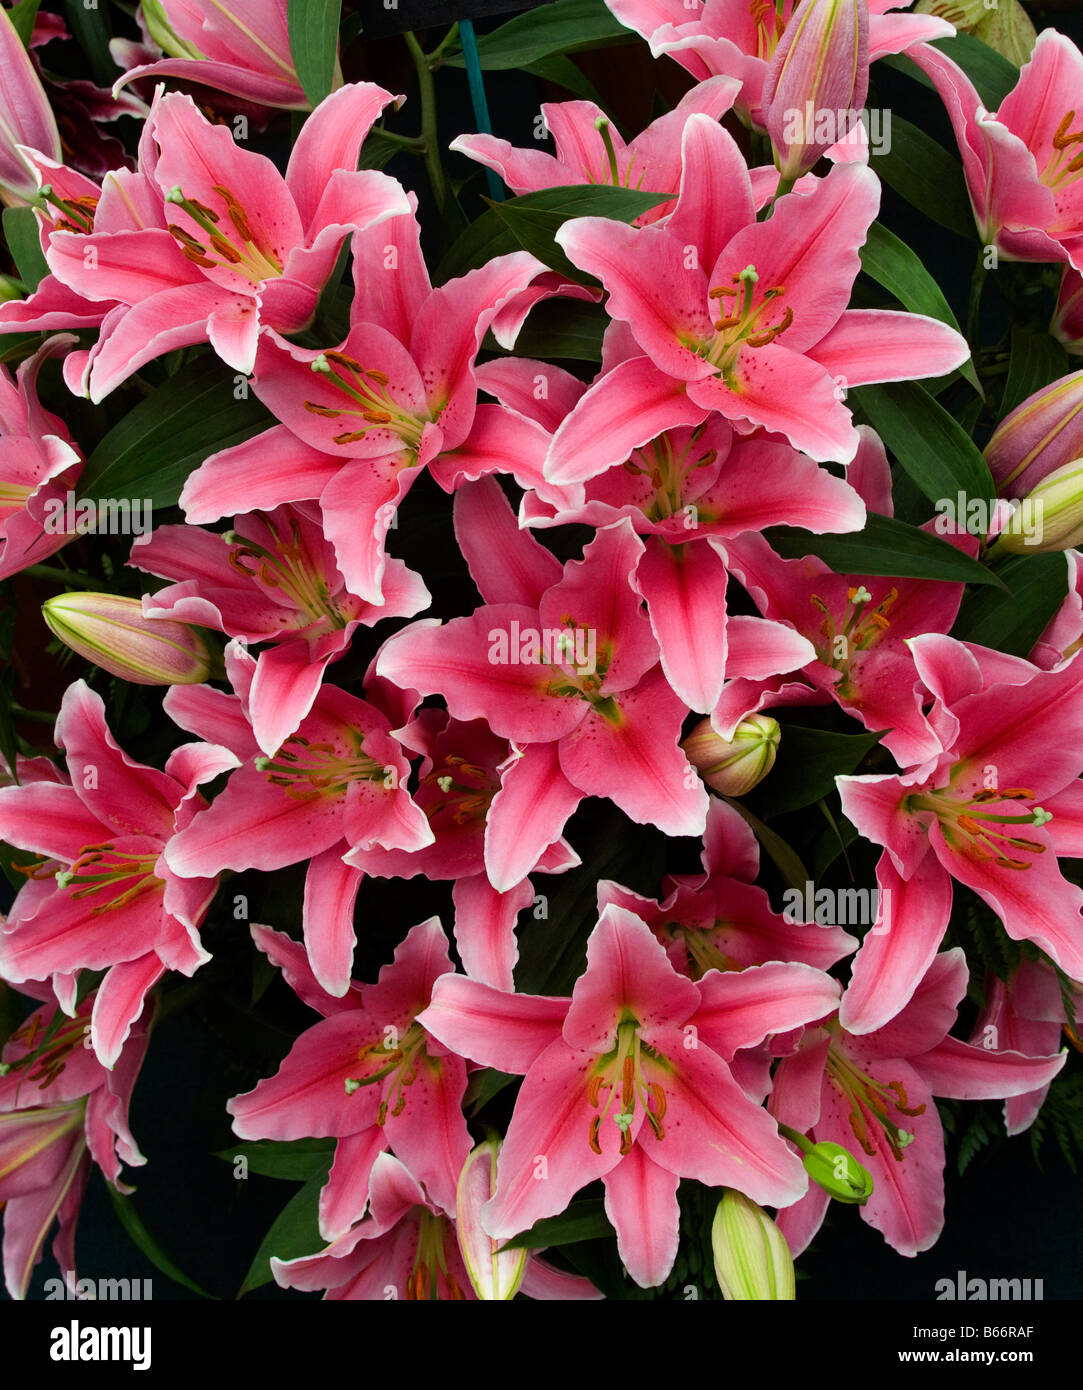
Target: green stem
408,142
37,716
973,316
428,121
784,187
436,57
63,576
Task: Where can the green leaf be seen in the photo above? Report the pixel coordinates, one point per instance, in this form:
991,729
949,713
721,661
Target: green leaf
483,1086
927,176
486,237
1036,360
891,263
585,1220
806,766
784,857
21,235
313,29
141,1237
992,73
561,329
91,30
567,74
929,443
568,26
883,547
22,18
535,218
151,452
297,1160
1012,620
295,1232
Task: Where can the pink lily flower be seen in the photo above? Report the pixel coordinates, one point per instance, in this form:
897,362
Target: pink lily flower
567,670
229,244
1024,1014
460,791
407,1247
719,919
359,423
739,38
272,579
38,465
729,308
1024,162
338,782
629,1081
859,625
1063,636
994,809
102,896
26,118
685,490
61,1112
242,48
879,1089
367,1075
591,151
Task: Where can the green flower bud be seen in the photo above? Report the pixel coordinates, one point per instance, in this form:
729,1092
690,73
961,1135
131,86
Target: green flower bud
111,632
838,1172
751,1258
732,767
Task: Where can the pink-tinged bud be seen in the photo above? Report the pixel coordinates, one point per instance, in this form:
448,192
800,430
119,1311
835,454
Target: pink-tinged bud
1000,24
1056,508
733,766
1038,438
26,118
1067,322
495,1277
112,633
751,1258
817,82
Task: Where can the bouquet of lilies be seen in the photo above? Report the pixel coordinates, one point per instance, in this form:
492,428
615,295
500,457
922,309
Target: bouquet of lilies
574,646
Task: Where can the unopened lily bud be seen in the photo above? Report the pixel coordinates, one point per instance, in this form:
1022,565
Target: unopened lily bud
495,1277
1057,505
1038,437
733,766
752,1261
1000,24
838,1172
817,82
111,632
164,35
1067,322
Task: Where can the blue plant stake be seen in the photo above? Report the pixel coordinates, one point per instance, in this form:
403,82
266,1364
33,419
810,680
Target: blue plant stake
477,97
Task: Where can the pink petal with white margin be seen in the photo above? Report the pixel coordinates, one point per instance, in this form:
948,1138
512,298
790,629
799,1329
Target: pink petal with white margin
637,762
327,917
507,565
800,1221
213,715
391,299
544,1282
758,648
27,1221
884,345
292,959
959,1071
286,683
900,947
485,928
684,588
1065,830
490,1026
345,1194
739,1009
874,804
261,473
622,410
430,1135
641,1202
715,201
119,1003
331,139
713,1132
527,814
